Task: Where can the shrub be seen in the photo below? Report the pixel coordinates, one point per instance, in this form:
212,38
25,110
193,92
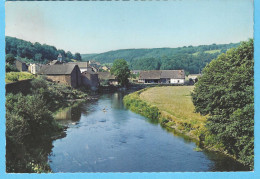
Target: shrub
225,92
17,76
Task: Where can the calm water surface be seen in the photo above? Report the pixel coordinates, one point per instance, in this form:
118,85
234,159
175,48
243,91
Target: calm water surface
119,140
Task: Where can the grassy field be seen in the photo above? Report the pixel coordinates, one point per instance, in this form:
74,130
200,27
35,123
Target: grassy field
207,51
212,51
17,76
176,108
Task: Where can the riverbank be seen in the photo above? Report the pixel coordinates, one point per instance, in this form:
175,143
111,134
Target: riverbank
173,108
30,123
149,147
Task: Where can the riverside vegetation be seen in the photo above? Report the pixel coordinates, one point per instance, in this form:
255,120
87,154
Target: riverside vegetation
171,106
30,125
223,96
11,77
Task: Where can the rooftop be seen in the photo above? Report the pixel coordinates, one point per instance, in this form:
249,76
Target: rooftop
62,69
158,74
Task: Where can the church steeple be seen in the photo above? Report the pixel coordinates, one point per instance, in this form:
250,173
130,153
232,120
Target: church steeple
59,58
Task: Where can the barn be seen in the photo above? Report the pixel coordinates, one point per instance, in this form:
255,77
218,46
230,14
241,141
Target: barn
162,76
68,74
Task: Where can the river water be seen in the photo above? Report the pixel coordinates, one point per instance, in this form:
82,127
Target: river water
118,140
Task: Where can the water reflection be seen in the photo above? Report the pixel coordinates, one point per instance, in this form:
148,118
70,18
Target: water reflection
118,140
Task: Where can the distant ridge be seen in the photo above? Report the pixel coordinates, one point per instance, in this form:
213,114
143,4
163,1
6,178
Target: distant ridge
139,53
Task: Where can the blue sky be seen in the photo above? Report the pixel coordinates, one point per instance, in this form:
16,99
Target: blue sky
94,27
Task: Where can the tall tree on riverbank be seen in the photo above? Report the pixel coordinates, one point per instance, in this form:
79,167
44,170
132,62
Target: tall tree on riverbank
121,70
225,92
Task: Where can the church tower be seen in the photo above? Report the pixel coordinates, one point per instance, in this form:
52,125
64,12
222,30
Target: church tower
59,58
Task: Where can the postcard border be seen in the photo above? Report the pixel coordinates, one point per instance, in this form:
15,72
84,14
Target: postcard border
202,175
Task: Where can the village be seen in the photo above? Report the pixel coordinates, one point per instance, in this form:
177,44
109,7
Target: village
96,87
92,74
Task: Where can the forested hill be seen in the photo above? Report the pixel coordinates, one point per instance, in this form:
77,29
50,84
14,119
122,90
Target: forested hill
190,58
36,52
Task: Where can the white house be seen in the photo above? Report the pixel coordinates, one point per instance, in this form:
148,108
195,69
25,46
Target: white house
34,68
162,76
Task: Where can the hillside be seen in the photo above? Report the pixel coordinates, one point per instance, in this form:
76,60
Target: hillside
190,58
35,52
131,54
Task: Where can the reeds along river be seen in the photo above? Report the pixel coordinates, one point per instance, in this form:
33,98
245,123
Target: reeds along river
103,136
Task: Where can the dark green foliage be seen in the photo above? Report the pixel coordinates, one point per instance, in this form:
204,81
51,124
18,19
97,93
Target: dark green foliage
77,57
121,70
56,95
191,59
33,52
27,118
9,63
225,92
134,103
146,64
9,58
30,126
69,55
10,68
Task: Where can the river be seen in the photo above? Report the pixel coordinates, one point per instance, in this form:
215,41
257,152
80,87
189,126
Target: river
118,140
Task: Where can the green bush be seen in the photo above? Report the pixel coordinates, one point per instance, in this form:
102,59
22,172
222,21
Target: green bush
133,102
17,76
10,68
225,92
28,121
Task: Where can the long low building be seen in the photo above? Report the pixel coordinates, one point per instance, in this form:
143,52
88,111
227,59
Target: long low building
162,76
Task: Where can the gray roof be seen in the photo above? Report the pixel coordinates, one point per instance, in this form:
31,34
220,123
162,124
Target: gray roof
54,62
62,69
80,64
150,74
106,76
90,72
158,74
173,74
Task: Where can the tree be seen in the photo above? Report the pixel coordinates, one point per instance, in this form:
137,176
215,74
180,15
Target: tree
9,58
77,57
121,70
225,92
69,55
38,57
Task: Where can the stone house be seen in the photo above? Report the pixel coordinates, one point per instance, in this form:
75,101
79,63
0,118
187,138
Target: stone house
90,79
21,66
68,74
162,76
108,77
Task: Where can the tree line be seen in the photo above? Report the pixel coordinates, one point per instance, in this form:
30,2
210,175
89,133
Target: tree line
192,64
225,93
36,52
191,59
